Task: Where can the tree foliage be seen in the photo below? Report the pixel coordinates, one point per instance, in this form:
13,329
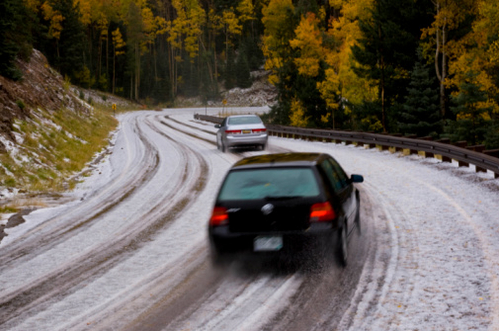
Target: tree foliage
472,111
420,113
343,64
13,37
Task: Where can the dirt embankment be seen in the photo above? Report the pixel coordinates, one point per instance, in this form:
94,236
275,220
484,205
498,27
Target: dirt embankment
41,87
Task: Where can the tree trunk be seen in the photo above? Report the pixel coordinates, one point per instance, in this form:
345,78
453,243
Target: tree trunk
153,46
216,65
382,82
107,56
114,69
441,62
137,71
99,57
443,101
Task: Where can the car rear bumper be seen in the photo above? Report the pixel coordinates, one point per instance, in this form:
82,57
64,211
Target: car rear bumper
242,140
227,241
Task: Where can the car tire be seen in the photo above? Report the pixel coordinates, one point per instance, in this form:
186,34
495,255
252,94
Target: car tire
357,217
223,148
342,248
264,147
218,256
218,145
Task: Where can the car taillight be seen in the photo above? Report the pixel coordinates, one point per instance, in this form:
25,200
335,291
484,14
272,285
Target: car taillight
233,131
259,130
219,216
322,212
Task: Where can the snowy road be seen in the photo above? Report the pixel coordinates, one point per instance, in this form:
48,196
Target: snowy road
130,252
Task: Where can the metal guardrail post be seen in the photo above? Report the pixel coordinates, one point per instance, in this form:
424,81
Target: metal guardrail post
462,144
480,149
427,154
445,141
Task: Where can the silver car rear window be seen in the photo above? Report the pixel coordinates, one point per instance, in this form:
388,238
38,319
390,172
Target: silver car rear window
244,120
253,184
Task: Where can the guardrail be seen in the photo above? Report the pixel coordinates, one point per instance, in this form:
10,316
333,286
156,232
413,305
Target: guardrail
465,155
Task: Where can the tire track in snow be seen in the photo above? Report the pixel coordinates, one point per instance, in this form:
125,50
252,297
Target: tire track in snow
170,273
385,280
61,282
104,200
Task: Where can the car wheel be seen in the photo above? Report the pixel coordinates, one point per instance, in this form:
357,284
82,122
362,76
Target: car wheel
218,145
264,147
218,256
357,217
223,148
343,246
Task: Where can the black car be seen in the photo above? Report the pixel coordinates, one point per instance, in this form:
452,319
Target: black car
276,202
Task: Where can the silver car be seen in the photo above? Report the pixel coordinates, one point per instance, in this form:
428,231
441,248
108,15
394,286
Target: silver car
240,131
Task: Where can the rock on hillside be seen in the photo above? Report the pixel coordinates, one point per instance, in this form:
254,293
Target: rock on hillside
261,93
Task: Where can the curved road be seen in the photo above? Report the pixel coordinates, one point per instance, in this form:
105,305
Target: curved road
130,251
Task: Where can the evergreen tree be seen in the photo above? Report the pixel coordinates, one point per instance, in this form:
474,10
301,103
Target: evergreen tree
242,71
387,49
420,113
230,73
70,60
492,135
13,36
471,114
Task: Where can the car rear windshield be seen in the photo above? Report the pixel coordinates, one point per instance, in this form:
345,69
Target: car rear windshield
253,184
244,120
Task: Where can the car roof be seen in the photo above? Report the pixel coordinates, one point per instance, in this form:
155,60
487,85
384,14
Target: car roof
280,160
247,115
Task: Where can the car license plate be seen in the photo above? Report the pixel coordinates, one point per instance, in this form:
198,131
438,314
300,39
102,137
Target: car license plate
267,243
246,131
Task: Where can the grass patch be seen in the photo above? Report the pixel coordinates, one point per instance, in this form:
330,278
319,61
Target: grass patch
20,104
54,149
8,209
18,204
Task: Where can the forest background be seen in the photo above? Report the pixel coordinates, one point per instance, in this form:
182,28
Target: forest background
428,68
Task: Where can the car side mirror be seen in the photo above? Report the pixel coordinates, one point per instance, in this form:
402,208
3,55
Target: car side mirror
218,126
356,179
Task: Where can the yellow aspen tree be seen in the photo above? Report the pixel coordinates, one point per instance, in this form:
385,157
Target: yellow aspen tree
341,83
193,28
149,28
135,38
231,26
246,11
102,28
213,26
118,44
184,33
87,8
55,18
153,27
32,5
308,41
479,53
297,114
276,19
449,14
